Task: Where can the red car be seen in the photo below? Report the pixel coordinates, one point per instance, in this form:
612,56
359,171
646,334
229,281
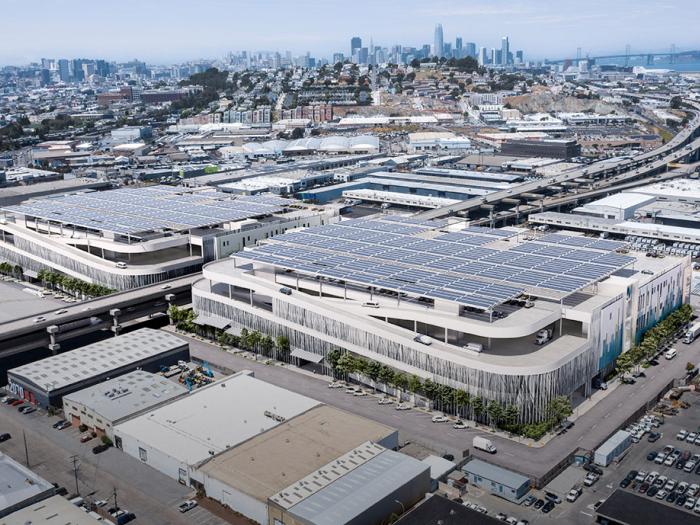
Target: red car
17,402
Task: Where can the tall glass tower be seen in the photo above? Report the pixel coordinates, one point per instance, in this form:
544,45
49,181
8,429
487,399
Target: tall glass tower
439,45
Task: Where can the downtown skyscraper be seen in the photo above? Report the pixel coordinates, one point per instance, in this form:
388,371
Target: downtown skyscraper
438,45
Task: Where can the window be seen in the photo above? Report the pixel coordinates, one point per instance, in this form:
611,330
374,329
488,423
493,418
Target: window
143,455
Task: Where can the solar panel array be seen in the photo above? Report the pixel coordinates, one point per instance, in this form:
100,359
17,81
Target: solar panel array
131,211
455,266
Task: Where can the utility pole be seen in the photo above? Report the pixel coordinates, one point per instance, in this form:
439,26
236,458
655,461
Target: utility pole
114,493
26,450
76,464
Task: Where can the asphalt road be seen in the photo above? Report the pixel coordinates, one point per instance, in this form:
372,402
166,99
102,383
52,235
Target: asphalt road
150,495
590,430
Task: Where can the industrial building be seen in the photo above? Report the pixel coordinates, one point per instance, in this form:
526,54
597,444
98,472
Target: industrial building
107,404
244,442
251,475
437,142
497,480
506,314
621,206
438,510
138,236
553,148
624,507
20,488
46,381
176,437
51,511
366,485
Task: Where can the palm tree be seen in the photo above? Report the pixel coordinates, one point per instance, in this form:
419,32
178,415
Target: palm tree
477,406
462,400
511,414
495,412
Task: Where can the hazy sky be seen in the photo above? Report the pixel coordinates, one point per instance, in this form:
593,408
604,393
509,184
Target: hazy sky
164,31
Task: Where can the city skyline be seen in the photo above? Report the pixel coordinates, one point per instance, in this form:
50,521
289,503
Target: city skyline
597,28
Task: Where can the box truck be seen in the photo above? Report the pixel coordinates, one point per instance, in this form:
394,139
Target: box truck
692,333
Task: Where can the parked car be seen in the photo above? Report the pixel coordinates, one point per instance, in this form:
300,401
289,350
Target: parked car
439,418
58,423
653,437
573,494
84,438
99,449
539,504
5,437
598,503
651,456
652,491
552,497
547,507
682,435
64,424
529,501
28,409
187,505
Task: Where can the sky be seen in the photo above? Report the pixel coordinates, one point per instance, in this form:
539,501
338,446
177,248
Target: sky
170,31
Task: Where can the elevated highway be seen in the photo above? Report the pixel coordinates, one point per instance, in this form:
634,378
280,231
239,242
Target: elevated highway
108,312
683,147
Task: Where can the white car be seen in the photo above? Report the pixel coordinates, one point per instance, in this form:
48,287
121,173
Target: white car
350,390
403,406
39,319
691,437
439,418
360,393
385,401
661,494
336,384
696,509
60,312
460,425
573,495
682,435
690,503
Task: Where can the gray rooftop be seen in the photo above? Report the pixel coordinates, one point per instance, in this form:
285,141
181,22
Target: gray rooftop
127,395
341,500
18,483
59,371
495,473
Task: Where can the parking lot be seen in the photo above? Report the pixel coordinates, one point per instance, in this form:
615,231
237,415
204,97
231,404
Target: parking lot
582,511
150,495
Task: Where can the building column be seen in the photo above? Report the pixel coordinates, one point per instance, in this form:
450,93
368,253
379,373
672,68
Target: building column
53,345
169,298
116,327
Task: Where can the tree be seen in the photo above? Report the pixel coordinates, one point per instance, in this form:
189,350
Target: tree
462,400
511,414
282,345
267,345
372,370
297,133
559,408
415,384
675,102
477,406
386,376
495,412
332,360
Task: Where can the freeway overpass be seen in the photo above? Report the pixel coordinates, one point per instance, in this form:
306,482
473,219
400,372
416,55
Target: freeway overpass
681,147
108,312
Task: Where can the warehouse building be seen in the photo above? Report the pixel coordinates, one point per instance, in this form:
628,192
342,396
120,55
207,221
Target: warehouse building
366,485
246,476
623,507
497,480
20,487
107,404
176,437
438,510
620,206
556,148
51,511
46,381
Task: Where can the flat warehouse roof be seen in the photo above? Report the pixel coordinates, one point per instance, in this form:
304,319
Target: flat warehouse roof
215,417
271,461
55,510
59,371
18,483
126,395
629,509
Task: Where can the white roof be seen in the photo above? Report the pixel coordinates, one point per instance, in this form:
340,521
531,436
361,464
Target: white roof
622,200
688,189
215,417
55,510
127,395
18,483
59,371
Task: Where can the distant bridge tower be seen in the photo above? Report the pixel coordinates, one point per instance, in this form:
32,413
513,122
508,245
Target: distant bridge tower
627,55
578,55
650,59
672,57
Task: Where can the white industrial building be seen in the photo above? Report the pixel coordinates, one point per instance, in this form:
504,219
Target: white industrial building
175,437
437,141
107,404
20,487
463,290
620,206
51,511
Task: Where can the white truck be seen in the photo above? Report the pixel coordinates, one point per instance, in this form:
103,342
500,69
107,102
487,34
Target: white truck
543,336
692,333
484,444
